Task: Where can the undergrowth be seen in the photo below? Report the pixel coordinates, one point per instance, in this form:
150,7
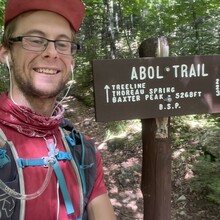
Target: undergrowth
206,166
186,130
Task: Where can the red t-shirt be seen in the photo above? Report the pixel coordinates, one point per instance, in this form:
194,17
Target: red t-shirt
49,205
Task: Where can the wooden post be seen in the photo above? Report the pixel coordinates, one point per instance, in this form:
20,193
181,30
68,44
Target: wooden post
156,164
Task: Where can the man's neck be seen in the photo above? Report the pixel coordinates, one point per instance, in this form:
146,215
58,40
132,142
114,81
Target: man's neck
41,105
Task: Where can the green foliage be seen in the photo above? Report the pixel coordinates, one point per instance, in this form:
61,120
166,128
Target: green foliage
180,131
117,127
4,83
207,180
203,131
215,191
2,8
114,29
122,128
82,88
184,131
123,134
3,75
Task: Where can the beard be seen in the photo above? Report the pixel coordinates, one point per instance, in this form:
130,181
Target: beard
29,89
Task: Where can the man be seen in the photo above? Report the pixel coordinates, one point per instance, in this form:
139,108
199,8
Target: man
38,47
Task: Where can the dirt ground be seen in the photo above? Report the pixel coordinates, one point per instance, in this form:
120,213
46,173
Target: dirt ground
122,167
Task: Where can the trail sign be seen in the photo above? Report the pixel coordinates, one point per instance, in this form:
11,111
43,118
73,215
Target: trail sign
156,87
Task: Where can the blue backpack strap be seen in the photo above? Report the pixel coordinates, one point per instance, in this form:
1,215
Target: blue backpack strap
4,158
54,155
22,163
84,153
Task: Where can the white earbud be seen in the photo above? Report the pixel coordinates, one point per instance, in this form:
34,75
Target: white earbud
7,61
9,69
72,71
71,68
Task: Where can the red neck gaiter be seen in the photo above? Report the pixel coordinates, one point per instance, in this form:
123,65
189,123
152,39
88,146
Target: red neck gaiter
27,122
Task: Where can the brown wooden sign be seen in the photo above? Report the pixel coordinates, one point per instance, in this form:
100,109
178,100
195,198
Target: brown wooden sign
156,87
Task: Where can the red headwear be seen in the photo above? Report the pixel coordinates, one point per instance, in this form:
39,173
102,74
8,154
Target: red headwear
72,10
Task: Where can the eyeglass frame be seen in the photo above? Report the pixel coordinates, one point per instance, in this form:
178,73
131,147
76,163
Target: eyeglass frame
73,51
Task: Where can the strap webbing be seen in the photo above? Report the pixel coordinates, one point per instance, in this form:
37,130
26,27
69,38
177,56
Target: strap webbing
22,163
63,187
4,158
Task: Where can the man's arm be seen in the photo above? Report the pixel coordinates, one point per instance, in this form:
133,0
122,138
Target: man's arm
101,208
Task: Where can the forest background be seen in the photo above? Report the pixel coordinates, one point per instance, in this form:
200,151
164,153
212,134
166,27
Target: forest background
114,29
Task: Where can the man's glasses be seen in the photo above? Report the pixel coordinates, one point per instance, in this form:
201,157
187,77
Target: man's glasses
34,43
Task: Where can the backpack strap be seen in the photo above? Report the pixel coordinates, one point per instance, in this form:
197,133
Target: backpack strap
84,153
11,175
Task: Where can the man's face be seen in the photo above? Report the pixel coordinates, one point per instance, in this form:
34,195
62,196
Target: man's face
40,74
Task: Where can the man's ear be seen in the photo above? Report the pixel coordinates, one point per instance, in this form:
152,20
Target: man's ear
5,56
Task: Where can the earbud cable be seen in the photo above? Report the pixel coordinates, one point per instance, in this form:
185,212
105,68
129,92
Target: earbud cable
10,78
67,92
11,86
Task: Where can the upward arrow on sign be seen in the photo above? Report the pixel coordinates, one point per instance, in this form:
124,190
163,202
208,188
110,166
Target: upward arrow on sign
107,93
